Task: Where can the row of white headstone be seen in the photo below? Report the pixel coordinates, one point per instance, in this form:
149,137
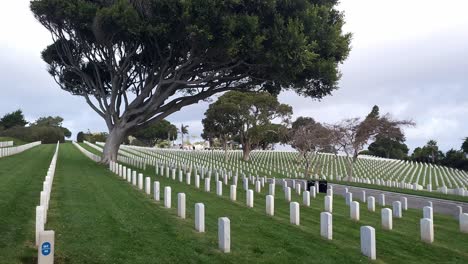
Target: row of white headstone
8,151
87,153
136,179
45,238
4,144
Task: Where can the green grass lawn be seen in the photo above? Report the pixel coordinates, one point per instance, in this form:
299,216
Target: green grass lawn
21,178
16,142
99,218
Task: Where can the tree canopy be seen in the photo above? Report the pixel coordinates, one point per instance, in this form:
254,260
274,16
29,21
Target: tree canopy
136,62
162,130
51,121
247,116
13,119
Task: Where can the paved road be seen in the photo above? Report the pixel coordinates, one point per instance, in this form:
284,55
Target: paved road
417,202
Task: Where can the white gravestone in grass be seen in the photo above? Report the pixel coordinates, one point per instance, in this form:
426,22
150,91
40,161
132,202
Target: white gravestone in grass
329,204
250,198
271,189
270,205
463,223
157,192
404,203
363,196
207,184
371,204
219,188
233,193
368,247
140,181
148,185
349,198
197,181
427,230
224,234
354,211
294,213
167,197
382,199
181,205
427,212
200,217
387,220
397,209
306,198
326,225
287,194
313,192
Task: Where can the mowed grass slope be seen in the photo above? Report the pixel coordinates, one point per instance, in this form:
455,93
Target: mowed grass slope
16,142
21,178
255,237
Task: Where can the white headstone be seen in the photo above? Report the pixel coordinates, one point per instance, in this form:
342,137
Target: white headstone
382,199
207,184
354,211
349,198
287,194
363,196
46,248
371,203
224,234
404,203
250,198
427,230
464,223
148,185
167,197
200,217
427,212
368,247
294,213
233,193
326,225
181,205
306,198
271,189
157,192
219,188
397,212
140,181
197,181
270,205
329,204
387,220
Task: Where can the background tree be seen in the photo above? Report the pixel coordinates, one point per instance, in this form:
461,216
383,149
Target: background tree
388,148
51,121
351,135
464,146
431,145
309,137
248,113
13,119
136,62
80,137
183,131
160,131
221,123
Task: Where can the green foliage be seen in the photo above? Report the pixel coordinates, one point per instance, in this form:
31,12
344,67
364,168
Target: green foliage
80,137
248,116
13,119
53,122
464,146
162,130
388,148
46,134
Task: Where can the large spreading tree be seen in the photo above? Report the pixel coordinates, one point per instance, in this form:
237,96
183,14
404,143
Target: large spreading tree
135,62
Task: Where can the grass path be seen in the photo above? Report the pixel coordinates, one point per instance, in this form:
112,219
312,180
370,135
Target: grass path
21,178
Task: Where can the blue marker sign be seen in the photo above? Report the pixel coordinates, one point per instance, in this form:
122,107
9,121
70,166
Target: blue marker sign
45,248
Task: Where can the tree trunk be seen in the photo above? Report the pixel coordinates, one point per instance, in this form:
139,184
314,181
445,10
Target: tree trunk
246,151
113,141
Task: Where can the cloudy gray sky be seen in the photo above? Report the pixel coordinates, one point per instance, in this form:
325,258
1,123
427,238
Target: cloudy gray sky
410,57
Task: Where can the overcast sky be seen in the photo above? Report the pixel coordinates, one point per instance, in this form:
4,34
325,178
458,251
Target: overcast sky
410,57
